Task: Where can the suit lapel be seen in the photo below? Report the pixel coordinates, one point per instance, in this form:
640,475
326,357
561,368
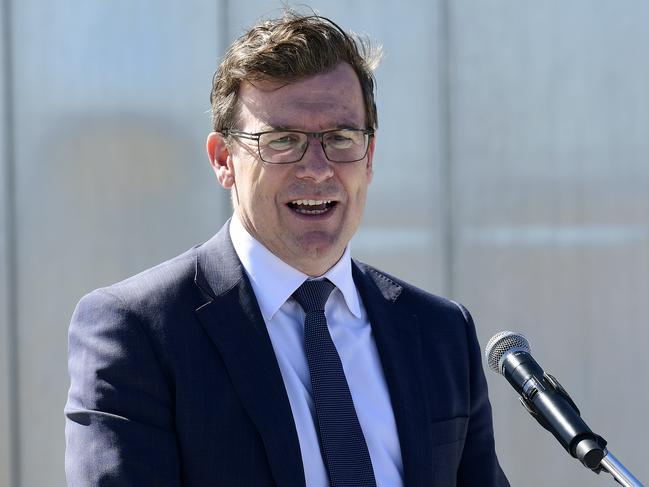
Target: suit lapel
232,319
399,344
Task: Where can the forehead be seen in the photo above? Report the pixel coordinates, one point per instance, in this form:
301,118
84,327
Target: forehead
328,100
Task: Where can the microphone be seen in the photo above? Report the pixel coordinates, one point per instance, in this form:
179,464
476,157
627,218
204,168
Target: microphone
508,353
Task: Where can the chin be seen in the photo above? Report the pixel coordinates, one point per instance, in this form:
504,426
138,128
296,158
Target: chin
317,243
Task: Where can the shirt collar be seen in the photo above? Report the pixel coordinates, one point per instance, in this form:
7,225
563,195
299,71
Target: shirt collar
274,281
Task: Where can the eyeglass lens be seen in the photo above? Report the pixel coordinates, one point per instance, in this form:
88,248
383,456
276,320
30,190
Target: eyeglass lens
282,147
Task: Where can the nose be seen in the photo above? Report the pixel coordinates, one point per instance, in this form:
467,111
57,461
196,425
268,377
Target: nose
314,164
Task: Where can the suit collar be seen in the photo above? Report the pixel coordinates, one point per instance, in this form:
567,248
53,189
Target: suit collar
399,344
232,319
274,281
218,269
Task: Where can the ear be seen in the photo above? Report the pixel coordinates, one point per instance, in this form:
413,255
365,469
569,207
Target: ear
370,157
220,160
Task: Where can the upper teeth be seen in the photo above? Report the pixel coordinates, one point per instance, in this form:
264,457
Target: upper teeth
311,202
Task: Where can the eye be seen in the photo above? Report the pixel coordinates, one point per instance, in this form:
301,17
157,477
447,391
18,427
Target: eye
341,139
281,141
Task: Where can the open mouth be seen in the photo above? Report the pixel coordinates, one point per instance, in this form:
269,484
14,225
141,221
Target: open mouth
312,207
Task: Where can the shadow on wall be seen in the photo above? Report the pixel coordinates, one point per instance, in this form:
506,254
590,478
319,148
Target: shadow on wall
116,183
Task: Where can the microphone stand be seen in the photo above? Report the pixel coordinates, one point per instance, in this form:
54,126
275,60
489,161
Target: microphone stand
619,472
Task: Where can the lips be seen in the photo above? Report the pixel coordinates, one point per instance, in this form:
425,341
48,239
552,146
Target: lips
312,207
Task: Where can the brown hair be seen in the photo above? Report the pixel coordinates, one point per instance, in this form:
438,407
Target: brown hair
288,49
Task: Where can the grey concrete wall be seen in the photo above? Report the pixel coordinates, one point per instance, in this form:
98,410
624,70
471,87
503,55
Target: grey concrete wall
511,174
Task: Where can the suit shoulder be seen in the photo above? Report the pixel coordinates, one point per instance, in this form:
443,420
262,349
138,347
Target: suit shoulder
411,295
165,282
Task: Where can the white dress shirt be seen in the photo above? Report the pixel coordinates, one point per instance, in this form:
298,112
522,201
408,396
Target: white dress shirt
273,282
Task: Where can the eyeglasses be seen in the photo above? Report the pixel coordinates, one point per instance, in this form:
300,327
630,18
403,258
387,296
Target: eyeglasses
288,146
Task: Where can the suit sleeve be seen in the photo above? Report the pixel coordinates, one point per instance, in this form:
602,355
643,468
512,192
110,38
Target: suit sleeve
479,464
119,422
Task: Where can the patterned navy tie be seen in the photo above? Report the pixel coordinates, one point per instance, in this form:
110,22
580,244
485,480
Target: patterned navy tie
341,438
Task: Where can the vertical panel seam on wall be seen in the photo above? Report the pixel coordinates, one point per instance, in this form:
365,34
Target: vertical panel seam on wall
446,152
10,236
224,41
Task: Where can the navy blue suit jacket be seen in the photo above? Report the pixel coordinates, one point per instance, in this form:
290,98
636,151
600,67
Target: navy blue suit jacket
174,382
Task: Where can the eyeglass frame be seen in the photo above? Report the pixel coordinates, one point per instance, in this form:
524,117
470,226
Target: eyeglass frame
320,135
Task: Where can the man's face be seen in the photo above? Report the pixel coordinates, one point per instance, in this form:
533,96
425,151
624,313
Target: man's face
264,195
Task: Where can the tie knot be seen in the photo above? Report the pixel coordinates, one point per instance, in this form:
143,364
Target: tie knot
312,295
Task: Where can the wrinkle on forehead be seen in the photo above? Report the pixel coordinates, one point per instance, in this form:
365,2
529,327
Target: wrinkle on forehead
326,99
249,105
302,112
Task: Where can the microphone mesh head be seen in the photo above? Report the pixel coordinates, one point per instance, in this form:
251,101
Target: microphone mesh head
500,344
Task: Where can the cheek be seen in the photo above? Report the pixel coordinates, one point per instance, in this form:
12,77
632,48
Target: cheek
362,182
263,194
248,183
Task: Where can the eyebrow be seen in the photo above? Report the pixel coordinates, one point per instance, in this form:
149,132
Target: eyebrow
286,128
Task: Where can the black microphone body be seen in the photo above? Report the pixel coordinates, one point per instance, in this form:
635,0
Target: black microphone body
508,353
548,402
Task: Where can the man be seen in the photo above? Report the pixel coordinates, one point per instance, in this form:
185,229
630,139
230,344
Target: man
267,356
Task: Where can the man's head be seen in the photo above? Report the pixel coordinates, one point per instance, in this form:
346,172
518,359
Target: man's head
305,75
288,49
